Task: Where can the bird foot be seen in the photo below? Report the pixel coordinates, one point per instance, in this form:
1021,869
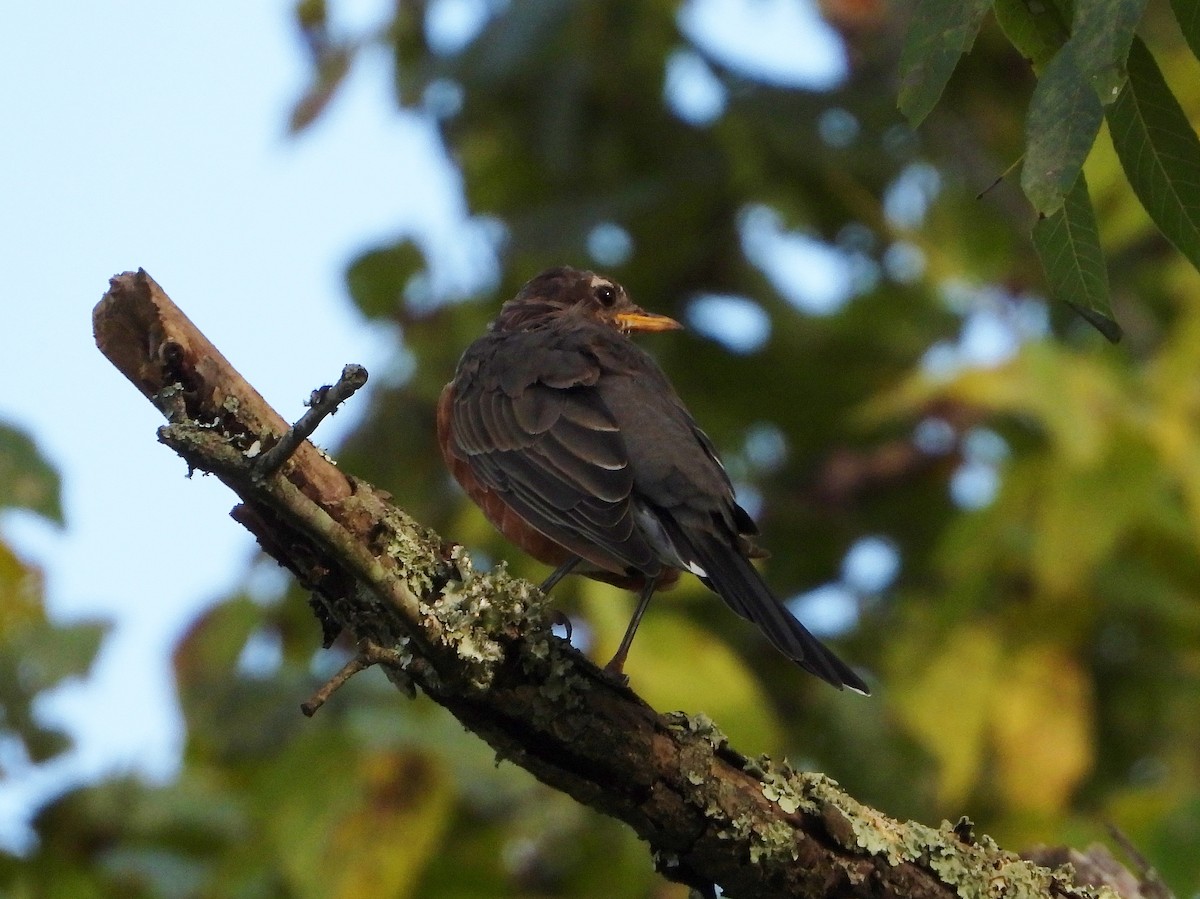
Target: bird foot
615,670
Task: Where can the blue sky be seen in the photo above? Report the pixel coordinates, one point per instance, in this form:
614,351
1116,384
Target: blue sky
139,133
148,134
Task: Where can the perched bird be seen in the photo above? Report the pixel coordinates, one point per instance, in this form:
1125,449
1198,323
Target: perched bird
572,441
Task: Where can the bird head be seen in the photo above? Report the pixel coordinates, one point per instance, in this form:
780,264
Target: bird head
571,292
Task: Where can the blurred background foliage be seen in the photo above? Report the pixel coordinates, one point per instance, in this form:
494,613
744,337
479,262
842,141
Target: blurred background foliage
979,501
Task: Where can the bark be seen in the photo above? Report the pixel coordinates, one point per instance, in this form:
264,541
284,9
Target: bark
480,645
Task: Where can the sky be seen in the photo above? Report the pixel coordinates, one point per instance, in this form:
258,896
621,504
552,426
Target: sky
145,134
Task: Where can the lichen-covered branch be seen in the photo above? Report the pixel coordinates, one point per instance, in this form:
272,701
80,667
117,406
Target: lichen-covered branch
480,645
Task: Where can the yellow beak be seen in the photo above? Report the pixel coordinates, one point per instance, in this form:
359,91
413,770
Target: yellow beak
646,321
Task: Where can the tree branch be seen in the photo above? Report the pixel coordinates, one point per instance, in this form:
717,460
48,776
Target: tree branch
480,645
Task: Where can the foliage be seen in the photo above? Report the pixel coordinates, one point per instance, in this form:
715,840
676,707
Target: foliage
26,480
1091,67
1037,657
36,655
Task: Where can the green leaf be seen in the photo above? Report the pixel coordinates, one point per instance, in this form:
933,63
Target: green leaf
1068,245
35,656
941,31
1159,152
1087,73
1036,32
55,653
378,277
49,655
26,479
1187,14
1101,35
332,68
1064,118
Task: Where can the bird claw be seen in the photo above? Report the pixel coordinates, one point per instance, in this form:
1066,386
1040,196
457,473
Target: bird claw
615,672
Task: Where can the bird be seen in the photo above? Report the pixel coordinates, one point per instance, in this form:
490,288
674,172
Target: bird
576,447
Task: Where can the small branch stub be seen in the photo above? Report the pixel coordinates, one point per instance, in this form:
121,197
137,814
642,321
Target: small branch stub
369,654
322,403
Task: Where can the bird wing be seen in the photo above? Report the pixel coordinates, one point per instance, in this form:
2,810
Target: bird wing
528,420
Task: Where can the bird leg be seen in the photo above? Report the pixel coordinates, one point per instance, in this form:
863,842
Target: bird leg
616,665
557,617
559,573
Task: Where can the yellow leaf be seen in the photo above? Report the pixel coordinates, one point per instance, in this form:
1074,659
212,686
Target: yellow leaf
1076,399
1082,511
352,825
1042,728
20,594
381,847
945,706
675,664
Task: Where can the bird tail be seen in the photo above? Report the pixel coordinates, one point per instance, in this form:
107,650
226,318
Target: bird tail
741,586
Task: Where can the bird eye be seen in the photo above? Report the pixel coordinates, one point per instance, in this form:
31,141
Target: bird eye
606,294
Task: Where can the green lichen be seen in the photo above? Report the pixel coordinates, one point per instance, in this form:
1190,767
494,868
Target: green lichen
777,842
414,549
740,827
475,615
782,796
561,681
700,725
975,870
756,767
780,784
467,615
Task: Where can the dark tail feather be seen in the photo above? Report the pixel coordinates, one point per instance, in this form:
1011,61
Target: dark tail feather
742,587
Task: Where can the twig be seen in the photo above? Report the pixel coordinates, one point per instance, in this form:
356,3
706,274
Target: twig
323,402
320,697
1008,171
1152,884
369,654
